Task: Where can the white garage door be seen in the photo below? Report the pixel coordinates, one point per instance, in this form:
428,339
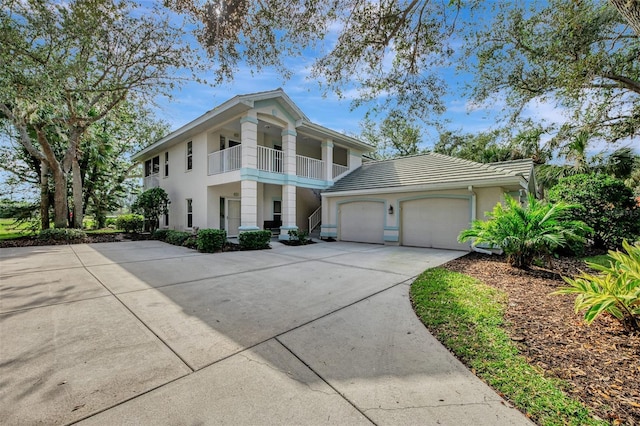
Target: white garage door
362,222
434,222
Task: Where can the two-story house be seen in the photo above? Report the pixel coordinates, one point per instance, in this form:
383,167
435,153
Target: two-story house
254,162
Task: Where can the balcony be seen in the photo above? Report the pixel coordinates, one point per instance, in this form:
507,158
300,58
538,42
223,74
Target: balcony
270,160
226,160
151,181
309,167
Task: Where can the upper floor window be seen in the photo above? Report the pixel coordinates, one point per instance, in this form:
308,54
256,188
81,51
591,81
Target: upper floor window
166,164
152,166
189,155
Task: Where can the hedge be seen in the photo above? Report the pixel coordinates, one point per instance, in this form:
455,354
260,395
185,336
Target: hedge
62,234
130,222
211,240
177,238
254,240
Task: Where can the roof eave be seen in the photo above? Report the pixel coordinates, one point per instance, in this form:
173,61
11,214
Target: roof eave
341,138
516,181
233,106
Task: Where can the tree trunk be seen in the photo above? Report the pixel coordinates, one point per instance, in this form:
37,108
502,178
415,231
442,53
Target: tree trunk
59,198
44,196
630,10
77,193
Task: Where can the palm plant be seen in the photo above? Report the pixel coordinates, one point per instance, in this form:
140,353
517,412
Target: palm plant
526,232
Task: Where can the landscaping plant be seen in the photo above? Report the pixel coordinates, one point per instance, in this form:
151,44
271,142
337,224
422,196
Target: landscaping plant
616,289
605,204
211,240
527,232
254,240
300,237
152,203
130,222
177,238
62,234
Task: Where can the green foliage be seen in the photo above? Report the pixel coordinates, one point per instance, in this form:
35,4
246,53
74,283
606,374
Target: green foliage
160,234
62,234
191,242
580,55
254,240
177,238
130,222
152,203
526,232
395,136
301,237
616,289
605,204
468,318
211,240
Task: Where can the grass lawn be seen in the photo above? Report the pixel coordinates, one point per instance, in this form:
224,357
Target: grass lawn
467,317
9,230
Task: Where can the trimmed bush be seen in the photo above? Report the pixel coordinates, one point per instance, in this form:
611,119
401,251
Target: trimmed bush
130,222
177,238
211,240
160,234
299,237
254,240
62,234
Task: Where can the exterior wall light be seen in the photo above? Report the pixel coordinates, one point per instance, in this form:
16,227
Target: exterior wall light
390,209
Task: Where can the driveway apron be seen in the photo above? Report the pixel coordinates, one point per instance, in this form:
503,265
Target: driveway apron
149,333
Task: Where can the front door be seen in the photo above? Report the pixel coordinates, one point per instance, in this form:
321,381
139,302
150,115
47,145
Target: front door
233,216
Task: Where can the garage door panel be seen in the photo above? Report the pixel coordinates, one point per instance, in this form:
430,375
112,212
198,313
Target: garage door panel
362,222
434,222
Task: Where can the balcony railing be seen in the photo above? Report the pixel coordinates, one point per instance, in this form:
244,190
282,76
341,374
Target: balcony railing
309,167
225,160
151,181
270,160
339,169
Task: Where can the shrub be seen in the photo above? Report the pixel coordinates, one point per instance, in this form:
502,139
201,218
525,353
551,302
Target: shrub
177,238
301,237
152,203
211,240
62,234
130,222
254,240
606,205
110,221
526,232
190,242
160,234
615,290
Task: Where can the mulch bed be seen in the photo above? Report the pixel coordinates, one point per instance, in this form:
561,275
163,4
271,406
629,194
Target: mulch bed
600,362
35,241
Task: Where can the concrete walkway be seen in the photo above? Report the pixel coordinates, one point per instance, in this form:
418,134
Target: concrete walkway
148,333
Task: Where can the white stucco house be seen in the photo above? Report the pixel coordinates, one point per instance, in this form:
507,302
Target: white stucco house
257,162
254,162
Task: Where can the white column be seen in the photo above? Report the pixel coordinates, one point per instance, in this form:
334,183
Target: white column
327,157
288,211
248,205
289,151
249,188
249,141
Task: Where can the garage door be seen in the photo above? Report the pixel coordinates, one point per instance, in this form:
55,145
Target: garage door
434,222
362,222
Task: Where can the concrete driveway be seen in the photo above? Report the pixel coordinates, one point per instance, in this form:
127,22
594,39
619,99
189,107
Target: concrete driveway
148,333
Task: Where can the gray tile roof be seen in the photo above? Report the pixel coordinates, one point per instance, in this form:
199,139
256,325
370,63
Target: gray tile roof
428,169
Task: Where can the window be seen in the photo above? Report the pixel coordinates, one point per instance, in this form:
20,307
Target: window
189,213
166,164
166,220
189,155
152,166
